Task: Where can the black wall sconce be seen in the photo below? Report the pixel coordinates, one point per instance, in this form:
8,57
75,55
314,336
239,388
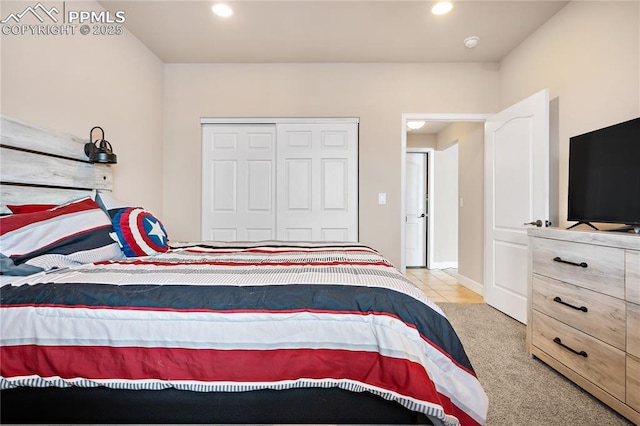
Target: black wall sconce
99,151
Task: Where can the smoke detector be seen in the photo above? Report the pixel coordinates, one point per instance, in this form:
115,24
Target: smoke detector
471,42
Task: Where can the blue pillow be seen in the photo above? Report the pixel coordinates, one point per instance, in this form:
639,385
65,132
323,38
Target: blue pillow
139,232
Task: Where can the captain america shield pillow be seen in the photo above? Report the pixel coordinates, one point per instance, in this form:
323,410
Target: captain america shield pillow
139,232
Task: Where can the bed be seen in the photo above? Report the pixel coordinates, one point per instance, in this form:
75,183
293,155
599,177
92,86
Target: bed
217,332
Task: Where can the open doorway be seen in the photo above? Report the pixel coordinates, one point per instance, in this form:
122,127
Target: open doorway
455,180
431,227
518,148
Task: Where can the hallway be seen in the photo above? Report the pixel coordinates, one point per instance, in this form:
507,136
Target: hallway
442,286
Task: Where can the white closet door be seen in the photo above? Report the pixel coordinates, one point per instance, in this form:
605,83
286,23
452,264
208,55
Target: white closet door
317,181
238,182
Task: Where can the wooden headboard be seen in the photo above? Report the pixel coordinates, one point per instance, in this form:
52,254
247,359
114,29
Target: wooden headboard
38,165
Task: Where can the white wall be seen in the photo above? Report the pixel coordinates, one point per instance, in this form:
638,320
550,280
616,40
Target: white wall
470,185
73,83
588,56
418,140
376,93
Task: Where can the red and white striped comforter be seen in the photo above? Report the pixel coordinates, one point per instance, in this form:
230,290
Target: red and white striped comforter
239,317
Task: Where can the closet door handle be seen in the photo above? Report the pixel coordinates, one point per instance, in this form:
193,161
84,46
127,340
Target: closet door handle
559,342
578,308
581,264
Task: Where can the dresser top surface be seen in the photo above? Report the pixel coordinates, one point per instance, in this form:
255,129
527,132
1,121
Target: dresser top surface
626,240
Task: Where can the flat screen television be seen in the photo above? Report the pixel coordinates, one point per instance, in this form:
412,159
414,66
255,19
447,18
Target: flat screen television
604,175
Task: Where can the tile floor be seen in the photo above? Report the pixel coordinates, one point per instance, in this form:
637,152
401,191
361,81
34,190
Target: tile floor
441,286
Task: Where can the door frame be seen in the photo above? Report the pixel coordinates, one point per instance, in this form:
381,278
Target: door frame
452,117
277,120
430,159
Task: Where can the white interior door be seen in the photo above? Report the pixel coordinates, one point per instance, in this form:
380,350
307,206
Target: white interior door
238,187
317,182
516,192
416,210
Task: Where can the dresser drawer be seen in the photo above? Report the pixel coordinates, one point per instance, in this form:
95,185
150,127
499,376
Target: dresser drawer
600,316
595,267
603,364
633,382
633,329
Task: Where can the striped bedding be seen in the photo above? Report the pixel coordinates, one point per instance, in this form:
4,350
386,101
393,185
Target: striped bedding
240,317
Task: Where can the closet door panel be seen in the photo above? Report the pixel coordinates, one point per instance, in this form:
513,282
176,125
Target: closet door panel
222,234
238,182
317,181
335,139
298,234
329,234
260,186
257,234
334,181
224,181
297,185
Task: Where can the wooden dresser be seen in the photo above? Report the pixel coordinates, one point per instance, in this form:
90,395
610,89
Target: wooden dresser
584,311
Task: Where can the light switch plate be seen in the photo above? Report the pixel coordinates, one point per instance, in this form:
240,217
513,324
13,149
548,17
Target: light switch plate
382,198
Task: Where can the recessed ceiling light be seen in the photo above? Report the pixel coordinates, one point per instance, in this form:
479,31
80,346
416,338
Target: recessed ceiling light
222,9
442,7
471,42
415,124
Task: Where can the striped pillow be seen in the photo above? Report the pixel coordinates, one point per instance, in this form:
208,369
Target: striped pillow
110,204
29,208
70,234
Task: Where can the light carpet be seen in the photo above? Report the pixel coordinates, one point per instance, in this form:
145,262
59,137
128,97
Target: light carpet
521,390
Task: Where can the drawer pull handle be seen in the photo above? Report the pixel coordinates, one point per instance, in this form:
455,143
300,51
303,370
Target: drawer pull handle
581,264
559,342
578,308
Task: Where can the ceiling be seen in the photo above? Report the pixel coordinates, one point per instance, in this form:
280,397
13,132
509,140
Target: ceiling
332,30
308,31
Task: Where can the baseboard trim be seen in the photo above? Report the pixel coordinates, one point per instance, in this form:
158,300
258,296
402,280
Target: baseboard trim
472,285
444,265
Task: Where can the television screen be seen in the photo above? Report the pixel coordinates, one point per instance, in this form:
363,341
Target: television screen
604,175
